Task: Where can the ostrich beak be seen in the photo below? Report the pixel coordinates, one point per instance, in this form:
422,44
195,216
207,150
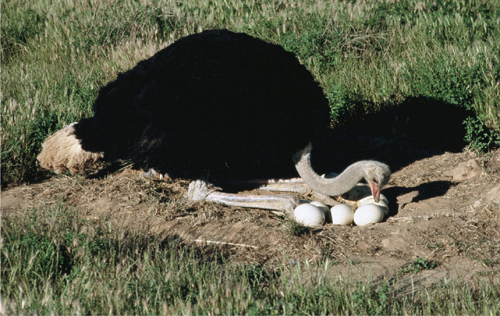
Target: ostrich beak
375,191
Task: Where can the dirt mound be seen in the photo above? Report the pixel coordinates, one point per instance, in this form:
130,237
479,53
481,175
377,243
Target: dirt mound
444,209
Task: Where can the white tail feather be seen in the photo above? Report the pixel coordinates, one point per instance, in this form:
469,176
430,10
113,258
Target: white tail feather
63,152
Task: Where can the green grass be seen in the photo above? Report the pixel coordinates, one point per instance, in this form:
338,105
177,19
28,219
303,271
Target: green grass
418,265
56,262
56,55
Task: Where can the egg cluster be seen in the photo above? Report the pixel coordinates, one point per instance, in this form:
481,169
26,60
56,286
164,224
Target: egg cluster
311,214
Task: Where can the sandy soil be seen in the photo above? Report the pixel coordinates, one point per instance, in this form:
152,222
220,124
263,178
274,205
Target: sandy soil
444,204
444,208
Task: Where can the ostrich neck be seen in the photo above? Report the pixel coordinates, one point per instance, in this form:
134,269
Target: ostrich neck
332,187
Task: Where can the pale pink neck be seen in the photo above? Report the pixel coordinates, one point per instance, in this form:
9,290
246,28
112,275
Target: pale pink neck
334,186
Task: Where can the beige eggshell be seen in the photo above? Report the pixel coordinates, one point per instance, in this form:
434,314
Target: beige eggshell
342,214
309,215
368,214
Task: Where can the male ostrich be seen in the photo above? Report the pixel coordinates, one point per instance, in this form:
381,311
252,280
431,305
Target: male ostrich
212,107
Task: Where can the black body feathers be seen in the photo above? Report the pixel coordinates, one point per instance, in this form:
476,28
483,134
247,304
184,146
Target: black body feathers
216,104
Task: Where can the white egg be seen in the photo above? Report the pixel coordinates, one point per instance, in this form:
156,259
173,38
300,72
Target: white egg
383,203
322,206
309,215
369,199
368,214
342,214
304,201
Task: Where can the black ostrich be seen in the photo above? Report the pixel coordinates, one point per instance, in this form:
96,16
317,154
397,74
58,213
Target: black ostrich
211,107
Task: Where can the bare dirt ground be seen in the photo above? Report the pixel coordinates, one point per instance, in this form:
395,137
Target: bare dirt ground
444,208
444,205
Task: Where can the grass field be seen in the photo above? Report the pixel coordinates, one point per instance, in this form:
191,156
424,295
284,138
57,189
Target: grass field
55,261
56,54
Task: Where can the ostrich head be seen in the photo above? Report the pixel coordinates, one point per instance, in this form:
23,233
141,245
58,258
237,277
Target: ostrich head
376,175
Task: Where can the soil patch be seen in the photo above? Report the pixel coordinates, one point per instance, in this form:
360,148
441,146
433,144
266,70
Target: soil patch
444,209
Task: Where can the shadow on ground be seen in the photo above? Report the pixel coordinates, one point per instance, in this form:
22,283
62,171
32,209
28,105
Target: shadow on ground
418,128
425,191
